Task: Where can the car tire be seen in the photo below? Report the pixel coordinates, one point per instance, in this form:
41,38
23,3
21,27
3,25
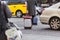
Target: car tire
27,27
18,14
54,23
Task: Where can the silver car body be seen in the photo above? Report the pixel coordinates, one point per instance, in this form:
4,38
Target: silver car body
50,12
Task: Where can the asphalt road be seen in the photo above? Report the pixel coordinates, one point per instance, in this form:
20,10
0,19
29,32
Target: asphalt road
39,32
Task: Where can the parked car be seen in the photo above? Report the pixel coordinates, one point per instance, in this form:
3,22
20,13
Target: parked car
51,16
39,9
17,7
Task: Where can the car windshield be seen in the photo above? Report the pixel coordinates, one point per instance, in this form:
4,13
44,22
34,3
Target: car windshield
15,1
55,5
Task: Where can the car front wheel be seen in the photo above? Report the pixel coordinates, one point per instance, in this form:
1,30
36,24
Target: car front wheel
19,14
54,23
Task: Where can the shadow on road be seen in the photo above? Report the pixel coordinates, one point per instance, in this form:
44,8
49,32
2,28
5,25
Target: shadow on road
49,29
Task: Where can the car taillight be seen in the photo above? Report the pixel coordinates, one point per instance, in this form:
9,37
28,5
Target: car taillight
24,6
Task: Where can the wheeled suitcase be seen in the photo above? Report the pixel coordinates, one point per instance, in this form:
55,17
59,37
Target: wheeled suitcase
27,22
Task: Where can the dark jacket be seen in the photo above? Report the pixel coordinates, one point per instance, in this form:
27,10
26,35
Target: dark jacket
31,7
4,14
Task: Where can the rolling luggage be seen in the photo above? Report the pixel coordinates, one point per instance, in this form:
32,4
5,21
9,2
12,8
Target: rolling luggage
27,22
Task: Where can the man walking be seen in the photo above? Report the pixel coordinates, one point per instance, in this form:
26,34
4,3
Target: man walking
31,8
4,14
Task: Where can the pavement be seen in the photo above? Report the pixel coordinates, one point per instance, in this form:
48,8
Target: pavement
38,32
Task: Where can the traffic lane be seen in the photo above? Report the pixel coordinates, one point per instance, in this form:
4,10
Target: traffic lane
36,31
40,33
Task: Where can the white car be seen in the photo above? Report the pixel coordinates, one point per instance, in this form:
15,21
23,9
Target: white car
51,16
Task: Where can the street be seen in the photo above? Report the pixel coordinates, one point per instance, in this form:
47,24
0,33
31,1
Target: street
39,32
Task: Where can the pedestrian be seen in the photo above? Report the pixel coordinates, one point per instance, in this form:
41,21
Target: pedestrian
31,8
4,14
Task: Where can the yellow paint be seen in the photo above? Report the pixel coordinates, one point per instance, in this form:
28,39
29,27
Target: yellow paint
14,7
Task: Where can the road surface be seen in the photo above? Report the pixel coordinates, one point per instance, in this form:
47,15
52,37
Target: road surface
39,32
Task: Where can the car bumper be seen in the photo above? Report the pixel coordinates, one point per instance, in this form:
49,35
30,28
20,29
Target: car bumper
44,19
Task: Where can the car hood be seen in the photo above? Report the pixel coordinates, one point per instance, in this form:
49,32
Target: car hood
50,8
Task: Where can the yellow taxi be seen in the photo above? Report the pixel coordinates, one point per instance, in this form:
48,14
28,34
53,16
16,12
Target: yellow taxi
17,7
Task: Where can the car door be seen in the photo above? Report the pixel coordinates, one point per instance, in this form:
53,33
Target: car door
12,5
